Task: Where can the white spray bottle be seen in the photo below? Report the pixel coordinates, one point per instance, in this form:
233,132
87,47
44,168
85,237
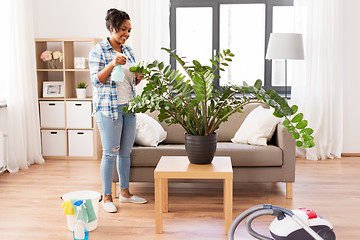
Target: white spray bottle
80,232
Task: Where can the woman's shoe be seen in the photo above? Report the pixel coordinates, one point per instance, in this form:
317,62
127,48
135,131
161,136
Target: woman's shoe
109,207
133,199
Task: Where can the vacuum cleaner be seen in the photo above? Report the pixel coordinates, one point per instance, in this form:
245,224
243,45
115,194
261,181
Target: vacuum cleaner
298,224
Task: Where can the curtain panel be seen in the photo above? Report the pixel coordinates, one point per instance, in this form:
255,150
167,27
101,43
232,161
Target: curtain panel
318,81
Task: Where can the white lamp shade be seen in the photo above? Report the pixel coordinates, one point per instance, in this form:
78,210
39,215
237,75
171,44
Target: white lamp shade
285,46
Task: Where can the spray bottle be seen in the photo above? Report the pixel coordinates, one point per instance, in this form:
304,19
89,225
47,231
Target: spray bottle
118,74
80,232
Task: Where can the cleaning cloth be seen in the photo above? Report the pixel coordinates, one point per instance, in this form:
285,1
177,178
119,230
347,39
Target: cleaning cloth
87,213
68,208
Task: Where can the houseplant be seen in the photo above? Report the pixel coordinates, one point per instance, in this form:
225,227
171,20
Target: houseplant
192,101
81,90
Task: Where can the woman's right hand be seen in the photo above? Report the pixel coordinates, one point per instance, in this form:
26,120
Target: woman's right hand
119,60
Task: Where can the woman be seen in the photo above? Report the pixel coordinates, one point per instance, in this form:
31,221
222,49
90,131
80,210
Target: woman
111,94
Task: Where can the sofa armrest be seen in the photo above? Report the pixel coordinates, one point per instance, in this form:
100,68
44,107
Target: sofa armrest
284,140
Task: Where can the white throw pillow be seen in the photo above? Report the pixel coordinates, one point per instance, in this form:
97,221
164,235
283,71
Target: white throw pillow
257,128
149,132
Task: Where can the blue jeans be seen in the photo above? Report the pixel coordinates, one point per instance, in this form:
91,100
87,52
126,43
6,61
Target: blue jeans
117,138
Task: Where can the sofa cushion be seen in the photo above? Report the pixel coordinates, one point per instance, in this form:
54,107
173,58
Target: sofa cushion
257,128
228,129
242,155
148,131
150,156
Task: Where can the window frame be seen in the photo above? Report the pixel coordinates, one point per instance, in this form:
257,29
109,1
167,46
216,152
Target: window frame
215,5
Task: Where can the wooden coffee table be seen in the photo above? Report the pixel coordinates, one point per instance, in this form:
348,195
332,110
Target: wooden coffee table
180,167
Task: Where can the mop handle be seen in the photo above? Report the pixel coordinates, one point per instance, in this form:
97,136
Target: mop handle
306,227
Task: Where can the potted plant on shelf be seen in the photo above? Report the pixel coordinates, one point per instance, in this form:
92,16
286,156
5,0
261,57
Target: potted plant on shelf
193,101
81,90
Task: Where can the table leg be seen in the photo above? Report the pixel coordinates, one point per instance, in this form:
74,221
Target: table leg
165,195
158,205
228,202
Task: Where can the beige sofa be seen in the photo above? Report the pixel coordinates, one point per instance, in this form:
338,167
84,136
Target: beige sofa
272,163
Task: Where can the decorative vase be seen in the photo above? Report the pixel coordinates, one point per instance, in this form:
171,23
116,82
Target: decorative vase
200,149
52,64
81,93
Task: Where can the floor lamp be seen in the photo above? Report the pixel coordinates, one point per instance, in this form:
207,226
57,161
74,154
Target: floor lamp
285,46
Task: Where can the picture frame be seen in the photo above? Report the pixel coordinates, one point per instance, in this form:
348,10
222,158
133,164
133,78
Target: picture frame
53,89
81,63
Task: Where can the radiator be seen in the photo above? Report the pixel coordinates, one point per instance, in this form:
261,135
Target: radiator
3,151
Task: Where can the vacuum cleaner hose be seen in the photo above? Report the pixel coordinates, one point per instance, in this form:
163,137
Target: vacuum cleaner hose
251,218
241,217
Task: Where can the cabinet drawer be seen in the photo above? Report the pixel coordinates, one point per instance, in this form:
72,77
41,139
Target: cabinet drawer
81,143
53,142
52,114
78,114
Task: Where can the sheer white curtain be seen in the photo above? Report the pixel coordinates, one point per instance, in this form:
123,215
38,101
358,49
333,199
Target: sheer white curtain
318,81
20,76
150,20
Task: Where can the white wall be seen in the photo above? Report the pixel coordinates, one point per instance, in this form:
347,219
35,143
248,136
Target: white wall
352,77
85,18
71,18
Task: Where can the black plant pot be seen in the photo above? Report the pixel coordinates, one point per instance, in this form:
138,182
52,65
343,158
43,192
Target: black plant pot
200,149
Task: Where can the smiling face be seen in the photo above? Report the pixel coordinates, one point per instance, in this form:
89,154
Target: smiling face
122,35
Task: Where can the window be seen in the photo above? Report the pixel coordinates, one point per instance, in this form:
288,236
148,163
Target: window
201,28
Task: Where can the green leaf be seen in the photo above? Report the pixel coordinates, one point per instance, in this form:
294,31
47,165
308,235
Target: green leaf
133,69
161,66
197,64
258,84
213,62
225,64
309,144
294,108
167,69
308,131
302,124
295,135
286,122
298,143
307,137
291,129
277,113
272,103
150,65
297,118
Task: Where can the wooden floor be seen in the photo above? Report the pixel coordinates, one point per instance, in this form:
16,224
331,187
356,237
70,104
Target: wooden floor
30,204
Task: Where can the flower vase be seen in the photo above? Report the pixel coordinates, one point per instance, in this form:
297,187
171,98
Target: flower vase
52,64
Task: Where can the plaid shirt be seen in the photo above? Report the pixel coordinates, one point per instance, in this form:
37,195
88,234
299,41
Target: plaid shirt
105,94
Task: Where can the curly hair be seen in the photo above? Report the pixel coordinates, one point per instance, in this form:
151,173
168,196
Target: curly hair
115,18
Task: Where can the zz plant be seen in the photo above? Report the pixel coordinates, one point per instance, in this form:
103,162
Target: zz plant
81,85
192,101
